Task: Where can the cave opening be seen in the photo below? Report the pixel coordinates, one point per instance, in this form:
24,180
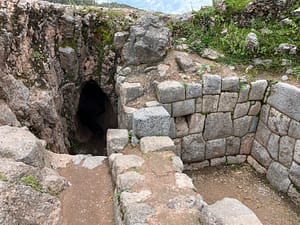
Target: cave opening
94,116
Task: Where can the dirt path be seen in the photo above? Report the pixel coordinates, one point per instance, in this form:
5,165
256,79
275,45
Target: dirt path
89,200
245,185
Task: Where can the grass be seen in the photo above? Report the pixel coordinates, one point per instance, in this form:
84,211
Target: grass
234,6
3,177
32,182
211,29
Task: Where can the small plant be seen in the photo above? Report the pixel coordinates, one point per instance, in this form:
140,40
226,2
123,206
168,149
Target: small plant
3,177
243,85
37,55
130,135
32,182
296,72
235,6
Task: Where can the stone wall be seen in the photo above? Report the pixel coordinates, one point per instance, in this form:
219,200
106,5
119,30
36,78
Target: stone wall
276,147
214,121
227,121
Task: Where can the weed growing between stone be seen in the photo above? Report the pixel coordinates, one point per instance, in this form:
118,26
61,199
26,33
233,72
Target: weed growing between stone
226,32
3,177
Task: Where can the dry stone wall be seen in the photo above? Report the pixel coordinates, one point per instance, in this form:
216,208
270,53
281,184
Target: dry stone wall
227,120
276,147
213,122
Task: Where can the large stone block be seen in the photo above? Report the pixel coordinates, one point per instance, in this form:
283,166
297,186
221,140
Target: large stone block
117,139
261,154
218,125
125,117
233,145
212,84
273,146
231,84
183,108
193,90
227,102
255,109
196,123
294,130
153,121
286,149
241,109
210,103
215,148
242,125
182,128
193,148
130,92
170,91
246,144
262,134
264,113
286,99
295,174
278,175
228,211
151,144
199,102
278,122
21,145
258,89
244,93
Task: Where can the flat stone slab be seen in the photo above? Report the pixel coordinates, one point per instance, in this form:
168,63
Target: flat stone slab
93,162
21,145
285,98
153,121
151,144
228,211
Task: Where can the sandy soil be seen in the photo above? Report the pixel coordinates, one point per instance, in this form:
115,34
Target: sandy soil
251,189
89,201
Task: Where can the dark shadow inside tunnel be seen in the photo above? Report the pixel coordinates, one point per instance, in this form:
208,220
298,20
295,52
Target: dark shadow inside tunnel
94,116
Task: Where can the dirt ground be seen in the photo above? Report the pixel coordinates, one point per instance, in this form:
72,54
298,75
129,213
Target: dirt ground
244,184
89,200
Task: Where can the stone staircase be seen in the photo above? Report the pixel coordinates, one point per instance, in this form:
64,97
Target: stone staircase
151,188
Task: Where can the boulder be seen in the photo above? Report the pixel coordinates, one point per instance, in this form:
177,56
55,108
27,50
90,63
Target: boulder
148,41
21,145
228,211
21,204
185,63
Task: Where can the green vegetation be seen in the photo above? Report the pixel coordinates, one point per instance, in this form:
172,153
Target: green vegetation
236,6
32,182
225,33
3,177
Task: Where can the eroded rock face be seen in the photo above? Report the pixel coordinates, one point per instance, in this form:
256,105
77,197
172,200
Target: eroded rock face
49,50
22,205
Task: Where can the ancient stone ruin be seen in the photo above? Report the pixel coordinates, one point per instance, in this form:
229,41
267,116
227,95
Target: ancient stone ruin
73,82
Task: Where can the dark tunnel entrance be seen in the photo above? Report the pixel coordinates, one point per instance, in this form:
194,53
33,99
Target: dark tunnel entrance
95,115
